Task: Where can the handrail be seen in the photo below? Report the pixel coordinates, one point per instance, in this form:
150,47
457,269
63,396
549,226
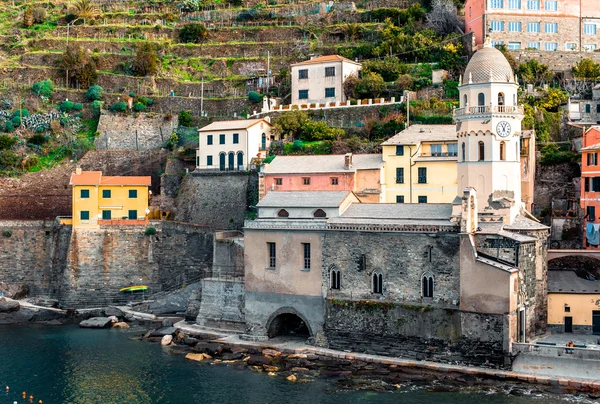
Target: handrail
489,109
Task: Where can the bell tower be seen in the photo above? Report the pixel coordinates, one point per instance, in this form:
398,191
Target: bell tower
488,129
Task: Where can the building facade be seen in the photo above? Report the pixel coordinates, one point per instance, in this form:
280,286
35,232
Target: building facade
590,187
232,145
103,200
321,80
547,25
420,165
359,173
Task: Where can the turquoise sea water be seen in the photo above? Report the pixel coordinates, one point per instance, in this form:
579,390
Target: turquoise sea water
67,364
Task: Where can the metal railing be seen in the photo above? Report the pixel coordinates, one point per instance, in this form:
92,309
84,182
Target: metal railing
489,109
552,350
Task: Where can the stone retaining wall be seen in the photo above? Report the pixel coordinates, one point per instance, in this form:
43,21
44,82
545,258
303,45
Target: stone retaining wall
134,132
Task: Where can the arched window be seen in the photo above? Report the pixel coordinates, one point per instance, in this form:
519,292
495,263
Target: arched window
464,153
222,161
231,161
263,142
514,99
502,151
481,99
427,285
283,213
240,161
500,98
335,279
465,101
481,151
320,213
377,283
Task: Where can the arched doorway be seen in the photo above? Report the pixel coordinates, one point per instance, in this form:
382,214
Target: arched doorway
231,161
288,325
222,161
240,161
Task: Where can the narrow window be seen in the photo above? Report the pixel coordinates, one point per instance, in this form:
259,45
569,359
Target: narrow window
209,139
362,262
334,181
209,161
429,253
278,181
303,94
132,193
399,198
106,215
500,98
231,161
319,213
588,108
222,139
481,151
236,138
306,249
463,151
84,215
400,149
222,159
591,213
377,283
132,214
303,74
399,175
427,284
283,213
596,184
422,175
481,99
567,309
502,151
422,199
306,180
84,193
335,279
586,181
106,193
330,71
465,99
272,256
330,92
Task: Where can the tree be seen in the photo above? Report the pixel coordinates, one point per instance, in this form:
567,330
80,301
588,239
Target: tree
443,18
43,88
39,15
79,66
193,33
145,62
94,93
6,142
86,10
312,131
587,69
289,124
352,30
534,72
28,17
185,118
254,96
120,106
370,85
8,159
389,68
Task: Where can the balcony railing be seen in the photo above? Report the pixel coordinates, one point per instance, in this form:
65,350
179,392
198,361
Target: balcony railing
439,154
487,109
122,222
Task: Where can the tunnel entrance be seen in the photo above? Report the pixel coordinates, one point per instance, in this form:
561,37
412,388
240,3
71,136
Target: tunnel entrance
288,324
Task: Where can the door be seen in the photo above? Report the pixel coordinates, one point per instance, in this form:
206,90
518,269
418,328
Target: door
521,326
240,161
132,214
106,215
231,161
568,324
596,322
222,161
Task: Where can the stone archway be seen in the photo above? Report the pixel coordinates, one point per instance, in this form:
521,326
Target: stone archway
288,321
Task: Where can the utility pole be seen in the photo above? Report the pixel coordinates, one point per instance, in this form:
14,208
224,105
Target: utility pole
407,109
268,71
202,97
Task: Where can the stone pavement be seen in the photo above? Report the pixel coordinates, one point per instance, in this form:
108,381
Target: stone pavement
295,346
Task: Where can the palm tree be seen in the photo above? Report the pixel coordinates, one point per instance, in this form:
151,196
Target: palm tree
85,10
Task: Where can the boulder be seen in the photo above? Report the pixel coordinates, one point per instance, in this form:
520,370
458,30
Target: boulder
95,322
174,302
291,378
257,360
270,352
270,368
190,341
232,356
8,305
113,311
210,348
121,324
161,332
197,356
166,340
167,322
113,319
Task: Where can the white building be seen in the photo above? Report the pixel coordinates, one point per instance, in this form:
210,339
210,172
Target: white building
320,80
231,145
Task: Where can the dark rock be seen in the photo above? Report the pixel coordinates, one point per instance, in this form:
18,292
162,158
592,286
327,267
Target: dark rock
9,306
258,360
167,322
47,315
95,322
237,349
161,332
154,339
233,356
210,348
113,311
190,341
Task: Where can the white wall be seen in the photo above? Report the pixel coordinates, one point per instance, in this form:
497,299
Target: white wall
317,82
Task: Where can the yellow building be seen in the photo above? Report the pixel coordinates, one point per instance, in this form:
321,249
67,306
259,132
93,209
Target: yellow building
573,303
420,165
102,200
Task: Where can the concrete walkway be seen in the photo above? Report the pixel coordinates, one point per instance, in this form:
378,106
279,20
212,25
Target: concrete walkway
297,347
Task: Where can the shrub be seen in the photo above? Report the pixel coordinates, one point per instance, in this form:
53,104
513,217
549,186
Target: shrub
97,106
193,33
66,106
7,233
8,159
145,62
43,88
39,15
28,17
6,142
119,107
22,112
30,161
145,100
37,139
15,121
9,127
138,107
185,118
94,93
81,67
150,231
173,141
77,106
254,96
131,94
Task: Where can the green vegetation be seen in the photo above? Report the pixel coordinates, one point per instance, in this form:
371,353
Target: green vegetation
254,97
150,231
185,118
6,233
43,88
193,33
94,93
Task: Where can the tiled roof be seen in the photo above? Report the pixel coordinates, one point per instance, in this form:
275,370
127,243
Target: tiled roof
392,211
96,178
322,164
592,147
569,282
325,59
523,223
229,125
303,199
423,133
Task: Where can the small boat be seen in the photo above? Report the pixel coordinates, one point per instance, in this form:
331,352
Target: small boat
139,288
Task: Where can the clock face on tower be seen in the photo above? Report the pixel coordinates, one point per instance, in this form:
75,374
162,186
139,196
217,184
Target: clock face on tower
503,128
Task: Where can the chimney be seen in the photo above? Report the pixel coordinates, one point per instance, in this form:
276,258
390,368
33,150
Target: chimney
78,170
267,118
348,161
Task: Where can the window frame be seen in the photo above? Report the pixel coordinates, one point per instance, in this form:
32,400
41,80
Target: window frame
399,198
278,181
422,175
515,26
551,2
302,74
335,279
132,194
85,213
427,285
209,160
303,94
331,91
497,26
305,180
399,150
222,139
106,194
106,214
236,138
534,5
537,25
335,181
399,175
497,4
209,140
377,283
553,28
422,199
271,255
131,216
554,46
306,254
84,194
329,70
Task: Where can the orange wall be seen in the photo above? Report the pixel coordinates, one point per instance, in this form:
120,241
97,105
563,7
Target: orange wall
591,137
474,21
318,182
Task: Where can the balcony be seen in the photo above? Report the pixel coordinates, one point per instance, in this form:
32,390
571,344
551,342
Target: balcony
439,154
487,109
123,222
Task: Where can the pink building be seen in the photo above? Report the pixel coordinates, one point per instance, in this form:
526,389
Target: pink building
547,25
359,173
590,186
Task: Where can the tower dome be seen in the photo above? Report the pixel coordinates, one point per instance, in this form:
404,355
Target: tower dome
488,65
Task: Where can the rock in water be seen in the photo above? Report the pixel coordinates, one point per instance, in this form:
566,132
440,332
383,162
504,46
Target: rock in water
113,311
95,322
197,356
113,319
120,325
8,306
291,378
166,340
161,332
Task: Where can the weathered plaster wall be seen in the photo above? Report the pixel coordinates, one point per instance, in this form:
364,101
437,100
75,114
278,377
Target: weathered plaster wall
222,304
134,132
